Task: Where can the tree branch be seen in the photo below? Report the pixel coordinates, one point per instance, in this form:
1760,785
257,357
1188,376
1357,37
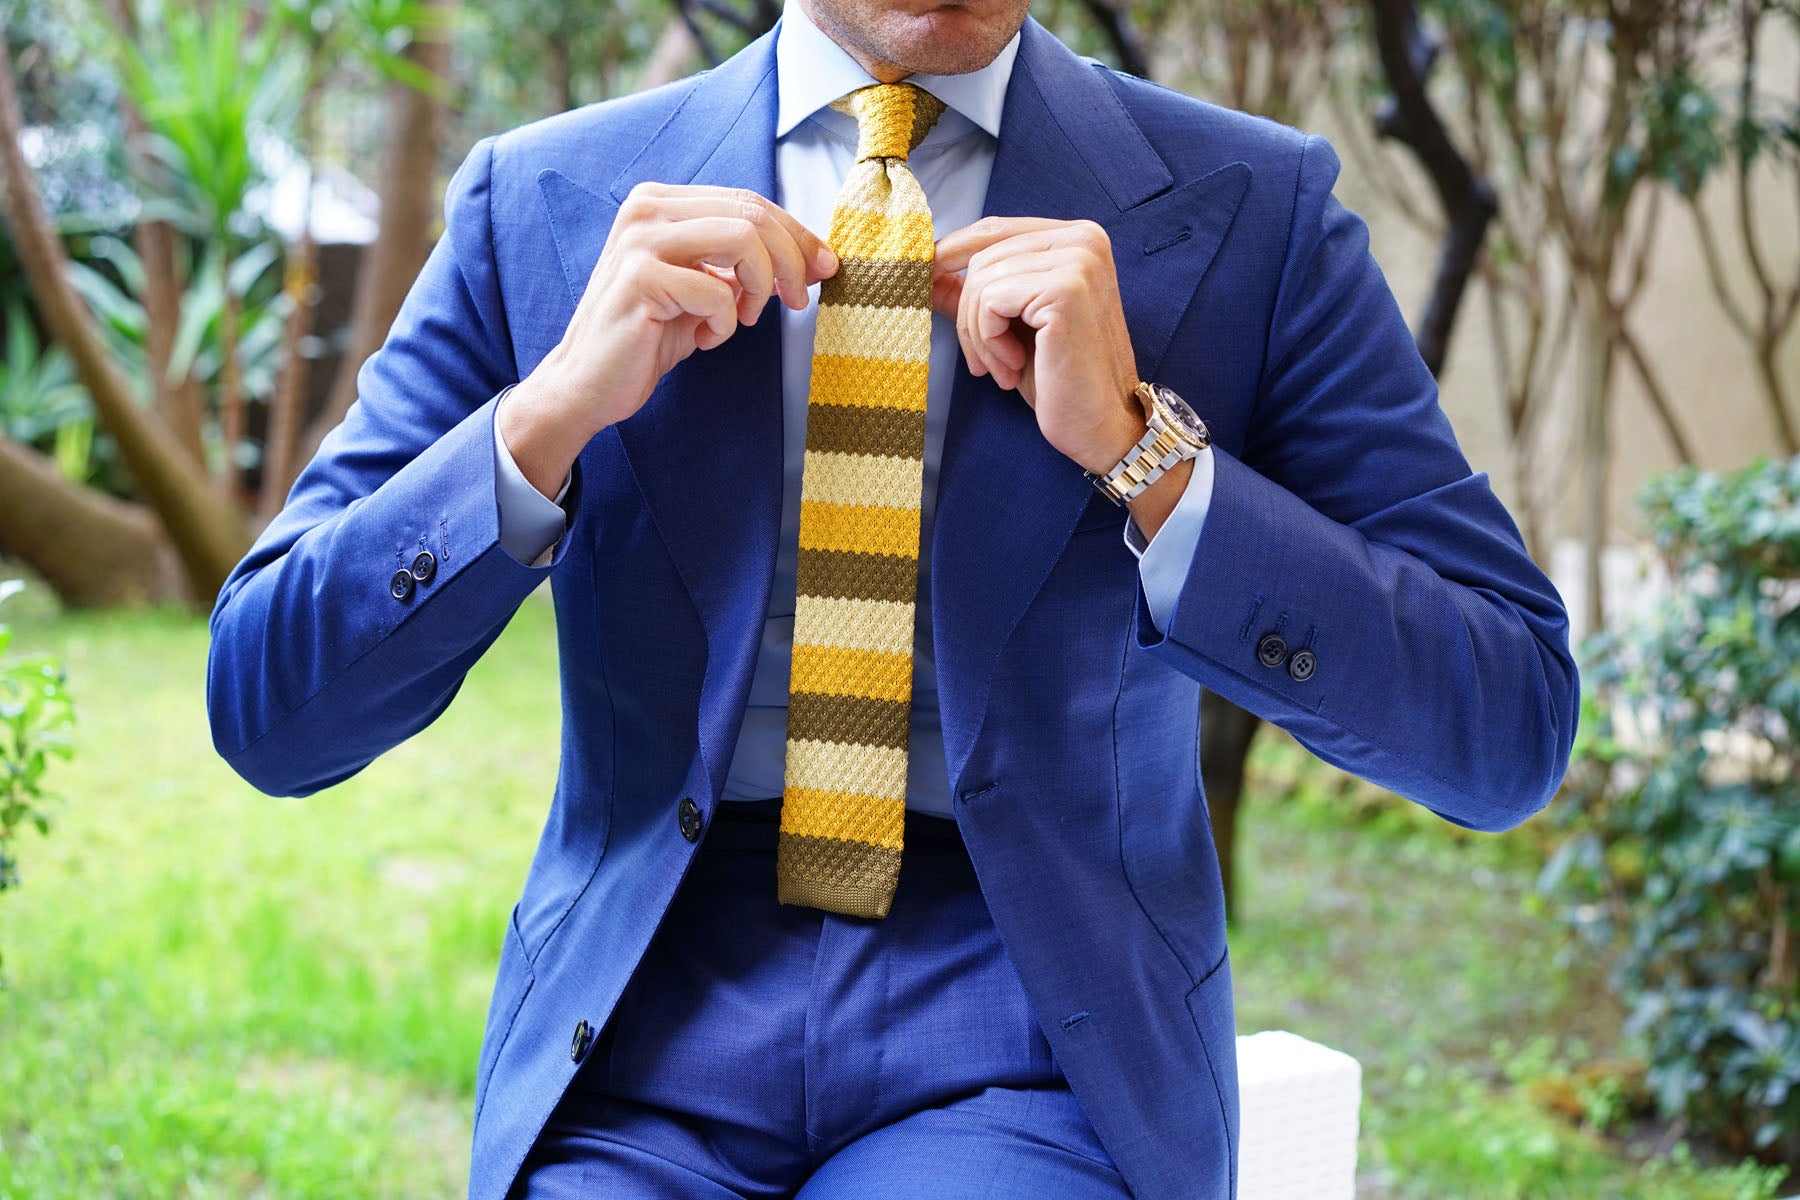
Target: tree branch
1114,20
1468,200
207,530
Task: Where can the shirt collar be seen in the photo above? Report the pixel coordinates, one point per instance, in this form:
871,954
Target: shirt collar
811,71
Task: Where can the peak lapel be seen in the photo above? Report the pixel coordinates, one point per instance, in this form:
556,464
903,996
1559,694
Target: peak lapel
706,448
1007,501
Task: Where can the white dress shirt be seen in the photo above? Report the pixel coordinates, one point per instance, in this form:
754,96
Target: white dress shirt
815,147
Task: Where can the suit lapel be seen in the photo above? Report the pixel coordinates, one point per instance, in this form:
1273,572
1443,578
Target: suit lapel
1007,501
706,448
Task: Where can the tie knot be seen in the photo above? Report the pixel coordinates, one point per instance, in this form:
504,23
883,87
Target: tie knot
891,118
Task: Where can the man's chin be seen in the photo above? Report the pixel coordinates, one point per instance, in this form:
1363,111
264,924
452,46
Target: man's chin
952,40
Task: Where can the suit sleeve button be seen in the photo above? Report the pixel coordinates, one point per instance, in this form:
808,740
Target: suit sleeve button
687,814
1302,665
1271,651
401,585
424,567
584,1037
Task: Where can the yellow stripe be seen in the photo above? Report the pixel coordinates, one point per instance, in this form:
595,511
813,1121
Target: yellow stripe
866,331
834,671
870,382
877,479
877,771
856,233
881,626
811,812
859,529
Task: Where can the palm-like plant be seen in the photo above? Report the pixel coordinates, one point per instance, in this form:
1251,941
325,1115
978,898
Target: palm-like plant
207,86
42,400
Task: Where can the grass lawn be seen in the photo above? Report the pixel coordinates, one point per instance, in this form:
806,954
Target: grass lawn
211,993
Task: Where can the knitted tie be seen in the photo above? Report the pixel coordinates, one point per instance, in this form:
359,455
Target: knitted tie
844,800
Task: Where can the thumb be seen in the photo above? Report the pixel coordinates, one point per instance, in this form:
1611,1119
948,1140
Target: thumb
946,292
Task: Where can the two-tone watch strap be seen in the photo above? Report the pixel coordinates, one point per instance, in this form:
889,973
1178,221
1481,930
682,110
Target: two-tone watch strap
1153,456
1146,462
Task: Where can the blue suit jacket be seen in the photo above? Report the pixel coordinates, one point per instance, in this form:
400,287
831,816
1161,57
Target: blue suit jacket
1344,517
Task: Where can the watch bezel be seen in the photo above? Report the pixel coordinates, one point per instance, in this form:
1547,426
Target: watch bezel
1177,414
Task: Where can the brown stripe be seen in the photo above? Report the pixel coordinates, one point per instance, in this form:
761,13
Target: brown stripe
927,108
853,576
859,720
854,429
880,283
852,878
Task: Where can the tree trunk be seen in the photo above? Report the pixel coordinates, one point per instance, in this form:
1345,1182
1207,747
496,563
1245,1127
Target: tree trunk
1226,732
95,551
287,404
1596,452
207,531
671,58
232,422
177,400
415,131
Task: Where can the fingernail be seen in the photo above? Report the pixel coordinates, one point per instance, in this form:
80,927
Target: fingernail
827,260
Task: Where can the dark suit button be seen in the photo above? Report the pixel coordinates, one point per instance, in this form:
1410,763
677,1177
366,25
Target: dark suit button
688,813
1272,650
1302,665
401,586
424,568
584,1037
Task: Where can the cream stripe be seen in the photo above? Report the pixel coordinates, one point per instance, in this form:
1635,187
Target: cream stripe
903,334
883,626
877,771
831,478
875,191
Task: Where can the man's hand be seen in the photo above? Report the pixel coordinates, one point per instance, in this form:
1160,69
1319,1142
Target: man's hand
1036,305
682,268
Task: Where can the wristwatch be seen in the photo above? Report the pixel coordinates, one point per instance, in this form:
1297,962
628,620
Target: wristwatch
1176,434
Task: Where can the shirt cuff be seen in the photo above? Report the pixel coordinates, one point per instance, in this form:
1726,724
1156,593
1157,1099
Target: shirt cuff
530,524
1164,561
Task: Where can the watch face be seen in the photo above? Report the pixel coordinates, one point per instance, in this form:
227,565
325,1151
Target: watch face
1186,421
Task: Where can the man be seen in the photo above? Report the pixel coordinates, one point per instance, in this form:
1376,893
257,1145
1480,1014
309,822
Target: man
842,553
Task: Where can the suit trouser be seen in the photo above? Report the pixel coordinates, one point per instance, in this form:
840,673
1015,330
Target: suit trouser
762,1050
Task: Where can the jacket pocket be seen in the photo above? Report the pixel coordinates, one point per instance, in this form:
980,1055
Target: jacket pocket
1209,1004
512,982
1101,513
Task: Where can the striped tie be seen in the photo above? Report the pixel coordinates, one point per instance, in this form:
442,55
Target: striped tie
844,800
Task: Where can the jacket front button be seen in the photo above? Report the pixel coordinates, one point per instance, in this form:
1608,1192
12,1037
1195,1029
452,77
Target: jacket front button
401,586
1271,651
424,567
687,813
584,1037
1302,665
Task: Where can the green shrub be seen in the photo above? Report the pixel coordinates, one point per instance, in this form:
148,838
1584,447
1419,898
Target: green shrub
1683,808
36,719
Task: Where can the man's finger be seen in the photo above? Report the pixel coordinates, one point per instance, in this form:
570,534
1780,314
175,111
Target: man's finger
821,262
700,295
795,261
946,293
730,243
954,250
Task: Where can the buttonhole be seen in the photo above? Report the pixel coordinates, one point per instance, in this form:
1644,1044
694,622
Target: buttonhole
969,797
1074,1019
1174,239
1249,619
